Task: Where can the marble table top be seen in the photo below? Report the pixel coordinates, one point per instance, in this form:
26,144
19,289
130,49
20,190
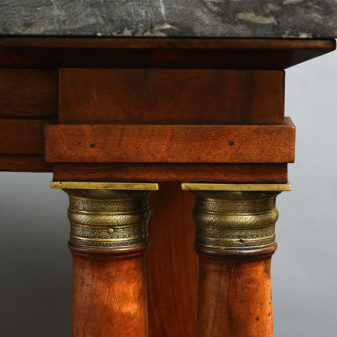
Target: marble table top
171,18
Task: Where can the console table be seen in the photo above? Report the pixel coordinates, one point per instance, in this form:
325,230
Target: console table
169,119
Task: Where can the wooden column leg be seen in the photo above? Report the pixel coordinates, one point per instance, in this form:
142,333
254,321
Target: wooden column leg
235,239
108,241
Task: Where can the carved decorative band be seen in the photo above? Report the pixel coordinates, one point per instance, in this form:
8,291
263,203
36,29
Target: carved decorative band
108,218
235,220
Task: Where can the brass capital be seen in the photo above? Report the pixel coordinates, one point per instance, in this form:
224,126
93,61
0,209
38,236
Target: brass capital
108,219
235,220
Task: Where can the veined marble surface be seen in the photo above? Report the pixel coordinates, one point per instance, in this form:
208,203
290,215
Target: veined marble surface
171,18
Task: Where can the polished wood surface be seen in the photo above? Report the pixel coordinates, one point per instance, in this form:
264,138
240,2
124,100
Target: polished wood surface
172,264
207,110
109,296
24,163
159,52
170,96
171,143
22,136
244,173
28,101
28,92
235,297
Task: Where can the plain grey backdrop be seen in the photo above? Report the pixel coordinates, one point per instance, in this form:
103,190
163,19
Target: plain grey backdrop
35,283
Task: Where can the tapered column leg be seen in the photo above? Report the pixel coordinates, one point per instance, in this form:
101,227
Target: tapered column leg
108,241
235,239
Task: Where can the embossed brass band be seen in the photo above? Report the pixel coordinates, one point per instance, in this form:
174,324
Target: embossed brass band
108,219
235,220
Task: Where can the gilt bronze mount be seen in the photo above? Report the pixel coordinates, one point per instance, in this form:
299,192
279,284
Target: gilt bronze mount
235,217
110,217
235,220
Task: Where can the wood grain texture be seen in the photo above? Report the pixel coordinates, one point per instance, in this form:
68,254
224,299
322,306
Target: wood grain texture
28,92
170,96
244,173
110,291
22,136
172,264
171,143
235,298
159,52
24,163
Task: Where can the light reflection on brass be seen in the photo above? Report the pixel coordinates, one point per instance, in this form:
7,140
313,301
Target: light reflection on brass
120,186
108,218
235,220
235,187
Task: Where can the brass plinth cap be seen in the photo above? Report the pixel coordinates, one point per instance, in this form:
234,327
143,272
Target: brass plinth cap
236,187
121,186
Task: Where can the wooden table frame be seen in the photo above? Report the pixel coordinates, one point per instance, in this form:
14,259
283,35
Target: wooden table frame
112,118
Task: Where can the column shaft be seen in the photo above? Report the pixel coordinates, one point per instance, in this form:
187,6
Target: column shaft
109,296
235,239
108,241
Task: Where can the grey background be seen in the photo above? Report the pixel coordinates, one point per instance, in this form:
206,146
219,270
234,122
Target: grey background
35,282
183,18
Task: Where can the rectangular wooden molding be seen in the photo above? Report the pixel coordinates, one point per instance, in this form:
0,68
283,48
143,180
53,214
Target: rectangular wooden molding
170,96
28,92
159,52
24,163
22,136
243,173
171,143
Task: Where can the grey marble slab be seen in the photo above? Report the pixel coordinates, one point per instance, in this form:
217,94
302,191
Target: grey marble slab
171,18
